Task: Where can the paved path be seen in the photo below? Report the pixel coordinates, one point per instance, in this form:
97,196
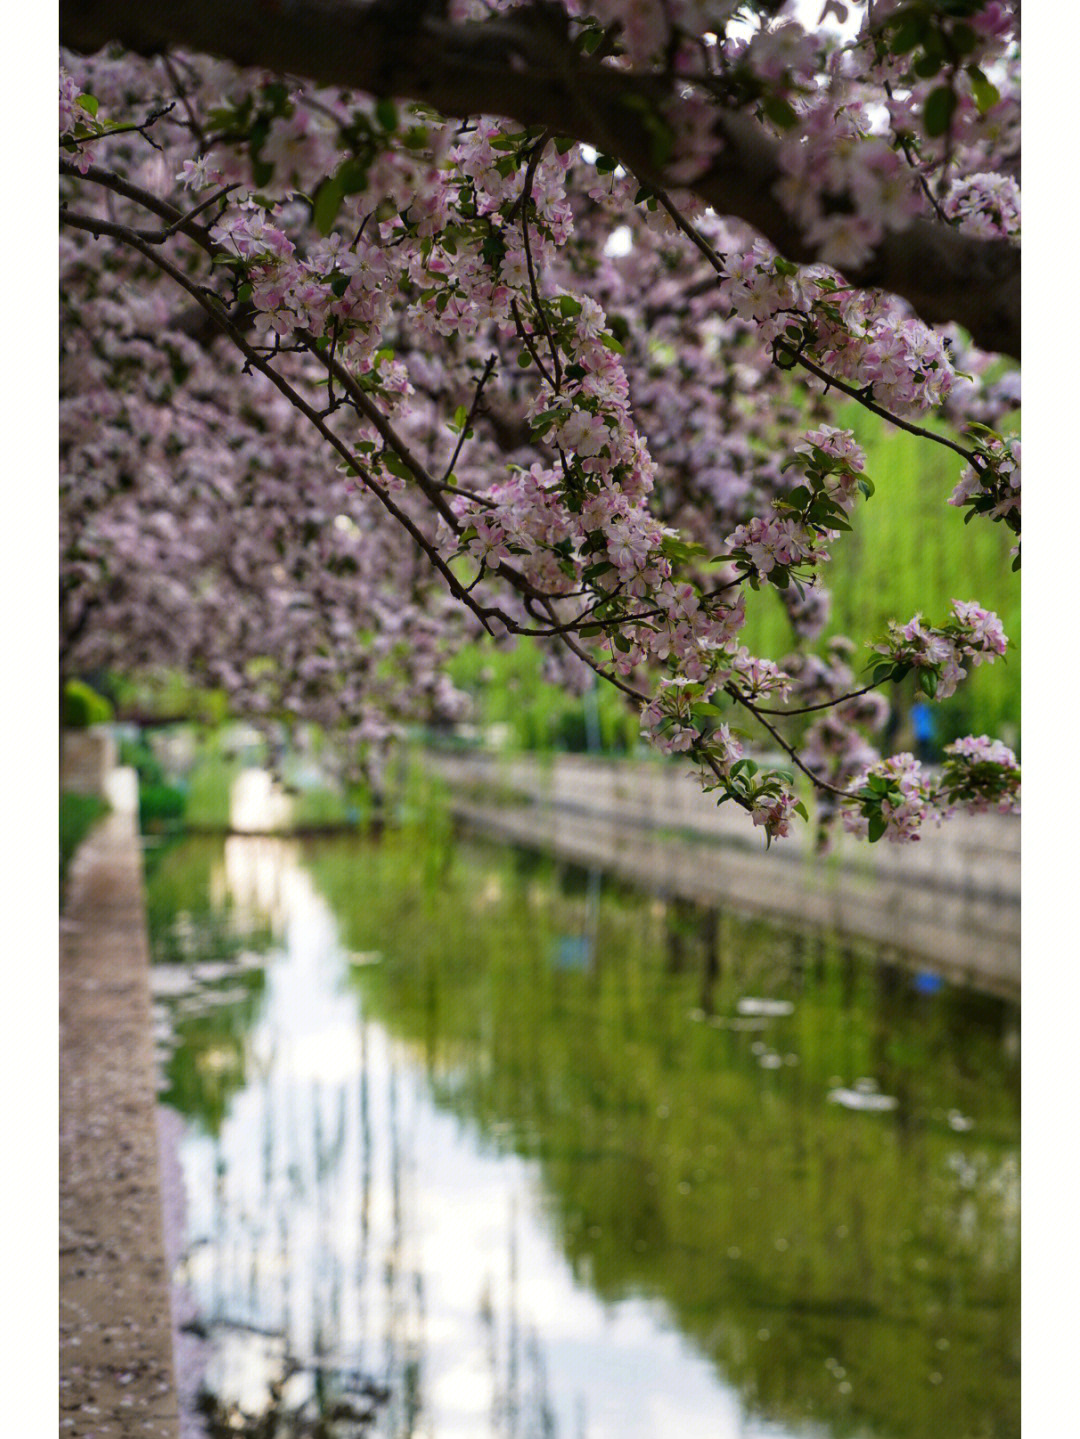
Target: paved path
116,1366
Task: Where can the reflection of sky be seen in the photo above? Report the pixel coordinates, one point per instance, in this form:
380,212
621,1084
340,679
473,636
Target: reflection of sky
350,1214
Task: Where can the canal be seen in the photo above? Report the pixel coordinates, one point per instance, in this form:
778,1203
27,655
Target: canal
473,1144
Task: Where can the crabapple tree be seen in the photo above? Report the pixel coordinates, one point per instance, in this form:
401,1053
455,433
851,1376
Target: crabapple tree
387,325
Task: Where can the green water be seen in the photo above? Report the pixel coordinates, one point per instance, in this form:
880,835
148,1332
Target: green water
814,1202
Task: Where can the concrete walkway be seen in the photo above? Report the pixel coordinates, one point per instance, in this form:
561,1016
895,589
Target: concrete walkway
116,1362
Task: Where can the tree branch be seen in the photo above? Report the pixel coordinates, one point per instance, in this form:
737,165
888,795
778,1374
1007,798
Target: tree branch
522,66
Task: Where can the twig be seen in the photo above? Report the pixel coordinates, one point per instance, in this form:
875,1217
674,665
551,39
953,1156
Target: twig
488,369
105,178
816,780
799,358
824,705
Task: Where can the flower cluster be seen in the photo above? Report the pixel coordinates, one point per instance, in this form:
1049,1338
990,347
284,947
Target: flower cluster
858,337
895,797
992,486
935,654
987,206
808,517
684,717
828,155
892,798
980,774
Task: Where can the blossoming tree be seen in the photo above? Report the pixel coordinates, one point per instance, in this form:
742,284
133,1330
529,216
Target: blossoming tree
387,324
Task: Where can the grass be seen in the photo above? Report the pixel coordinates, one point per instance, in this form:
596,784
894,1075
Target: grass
78,815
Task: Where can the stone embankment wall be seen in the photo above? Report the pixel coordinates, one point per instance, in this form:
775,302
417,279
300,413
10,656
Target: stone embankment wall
87,759
116,1354
951,901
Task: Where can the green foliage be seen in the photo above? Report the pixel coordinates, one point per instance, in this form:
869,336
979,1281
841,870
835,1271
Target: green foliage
161,804
170,694
209,788
319,809
909,551
78,814
161,807
83,706
136,754
509,689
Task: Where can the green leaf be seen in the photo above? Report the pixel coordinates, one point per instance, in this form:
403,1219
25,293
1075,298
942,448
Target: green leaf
779,111
800,808
396,465
878,826
938,110
986,94
609,342
387,115
569,307
867,485
328,202
89,104
908,34
351,176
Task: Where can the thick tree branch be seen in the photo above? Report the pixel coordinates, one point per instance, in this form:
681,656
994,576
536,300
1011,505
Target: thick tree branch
523,66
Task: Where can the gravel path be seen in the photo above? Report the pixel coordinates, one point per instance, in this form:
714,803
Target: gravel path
116,1360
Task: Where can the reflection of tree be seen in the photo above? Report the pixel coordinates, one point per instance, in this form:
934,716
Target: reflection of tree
190,912
833,1264
209,1063
194,922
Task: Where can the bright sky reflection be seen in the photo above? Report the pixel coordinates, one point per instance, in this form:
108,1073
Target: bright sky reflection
340,1208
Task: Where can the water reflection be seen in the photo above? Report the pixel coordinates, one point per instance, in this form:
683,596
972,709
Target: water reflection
505,1152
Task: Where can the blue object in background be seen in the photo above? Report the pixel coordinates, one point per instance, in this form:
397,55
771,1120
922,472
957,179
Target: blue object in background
572,951
926,982
922,721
